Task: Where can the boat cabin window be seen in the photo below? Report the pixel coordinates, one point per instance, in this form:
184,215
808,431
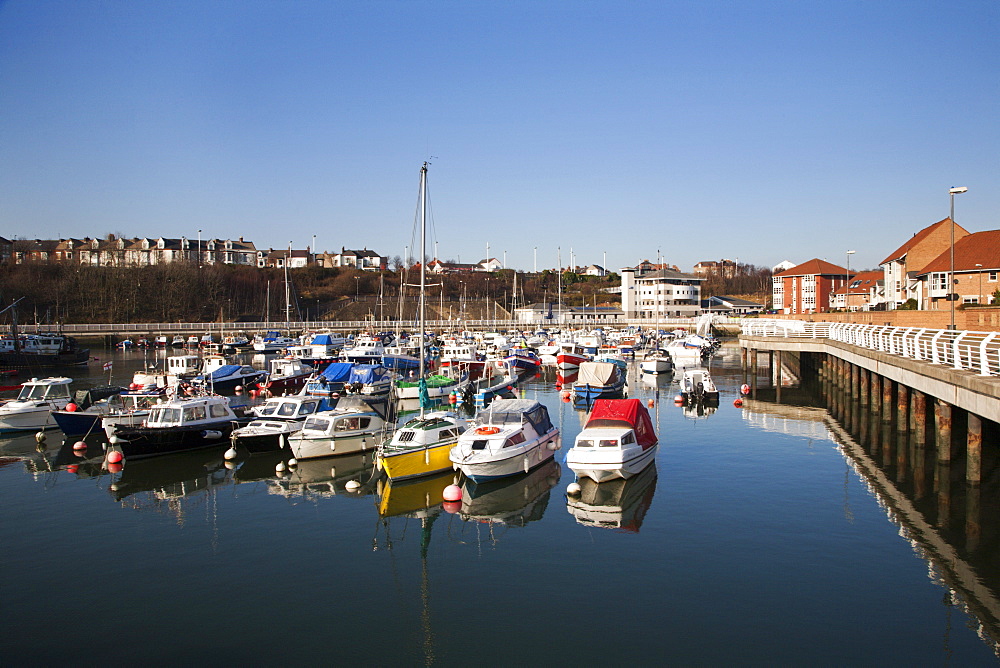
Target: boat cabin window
628,438
307,407
514,440
218,411
609,442
479,444
57,392
352,423
318,424
269,407
192,413
286,410
160,415
448,433
585,443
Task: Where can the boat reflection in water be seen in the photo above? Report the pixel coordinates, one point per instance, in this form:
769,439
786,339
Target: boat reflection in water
512,502
168,478
615,504
315,479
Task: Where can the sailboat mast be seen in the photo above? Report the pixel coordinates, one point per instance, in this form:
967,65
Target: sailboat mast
423,264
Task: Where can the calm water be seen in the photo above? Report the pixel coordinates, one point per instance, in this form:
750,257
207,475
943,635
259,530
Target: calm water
760,537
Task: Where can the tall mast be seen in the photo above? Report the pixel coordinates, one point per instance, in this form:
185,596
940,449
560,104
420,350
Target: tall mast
288,258
423,267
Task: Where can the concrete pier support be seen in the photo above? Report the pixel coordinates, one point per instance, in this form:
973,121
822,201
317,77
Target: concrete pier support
974,450
942,419
886,400
902,407
866,387
919,417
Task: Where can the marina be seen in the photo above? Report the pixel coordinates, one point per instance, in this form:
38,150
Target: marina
781,525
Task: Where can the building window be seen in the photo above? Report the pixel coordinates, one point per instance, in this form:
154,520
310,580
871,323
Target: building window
993,277
939,281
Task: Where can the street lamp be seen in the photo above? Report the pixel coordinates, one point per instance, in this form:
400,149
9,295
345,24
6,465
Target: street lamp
847,293
951,276
357,288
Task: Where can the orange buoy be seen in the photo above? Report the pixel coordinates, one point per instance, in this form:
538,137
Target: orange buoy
115,457
738,403
71,407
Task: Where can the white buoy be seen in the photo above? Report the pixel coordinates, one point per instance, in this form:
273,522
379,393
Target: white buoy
293,462
40,436
573,488
352,485
280,467
230,453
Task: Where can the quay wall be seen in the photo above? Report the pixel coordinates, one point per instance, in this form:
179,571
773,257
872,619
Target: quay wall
977,319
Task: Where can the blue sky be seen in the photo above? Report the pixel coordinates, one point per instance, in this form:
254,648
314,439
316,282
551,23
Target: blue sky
761,131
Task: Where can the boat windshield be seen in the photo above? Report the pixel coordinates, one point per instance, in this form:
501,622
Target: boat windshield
164,416
269,407
31,392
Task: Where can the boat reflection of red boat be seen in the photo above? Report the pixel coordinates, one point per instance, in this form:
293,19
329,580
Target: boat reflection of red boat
563,379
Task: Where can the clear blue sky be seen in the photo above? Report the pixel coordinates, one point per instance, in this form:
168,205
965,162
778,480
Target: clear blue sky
761,131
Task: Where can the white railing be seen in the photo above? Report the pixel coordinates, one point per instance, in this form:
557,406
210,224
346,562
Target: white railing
978,352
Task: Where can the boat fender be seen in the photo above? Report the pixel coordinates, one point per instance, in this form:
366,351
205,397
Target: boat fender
211,433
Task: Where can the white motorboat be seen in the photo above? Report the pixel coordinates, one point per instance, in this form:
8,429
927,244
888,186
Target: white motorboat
510,436
618,441
656,360
275,420
697,385
366,350
355,425
32,409
272,342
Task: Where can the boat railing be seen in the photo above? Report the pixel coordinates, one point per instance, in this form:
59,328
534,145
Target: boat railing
978,352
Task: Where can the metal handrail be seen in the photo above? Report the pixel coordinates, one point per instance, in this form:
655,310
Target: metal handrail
978,352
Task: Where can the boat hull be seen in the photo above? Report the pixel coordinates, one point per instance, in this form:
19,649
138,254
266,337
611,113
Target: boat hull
311,448
28,419
44,360
656,366
78,423
418,462
261,443
143,442
522,462
610,467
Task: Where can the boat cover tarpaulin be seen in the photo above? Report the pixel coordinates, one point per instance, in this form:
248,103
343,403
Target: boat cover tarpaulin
624,412
512,411
322,340
597,374
337,372
366,374
224,371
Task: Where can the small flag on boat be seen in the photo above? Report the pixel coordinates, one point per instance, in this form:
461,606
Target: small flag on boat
107,366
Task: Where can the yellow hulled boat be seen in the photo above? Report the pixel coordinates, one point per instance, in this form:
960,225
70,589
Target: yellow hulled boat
421,446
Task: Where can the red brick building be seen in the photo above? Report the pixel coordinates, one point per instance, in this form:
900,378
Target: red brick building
806,288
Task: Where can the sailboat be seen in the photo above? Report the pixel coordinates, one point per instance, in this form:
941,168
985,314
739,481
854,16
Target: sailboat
434,385
421,446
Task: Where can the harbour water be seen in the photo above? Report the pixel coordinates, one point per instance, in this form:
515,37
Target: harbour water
761,535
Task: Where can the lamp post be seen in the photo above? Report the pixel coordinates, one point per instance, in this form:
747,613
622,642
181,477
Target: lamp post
847,292
958,190
199,249
980,283
357,288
